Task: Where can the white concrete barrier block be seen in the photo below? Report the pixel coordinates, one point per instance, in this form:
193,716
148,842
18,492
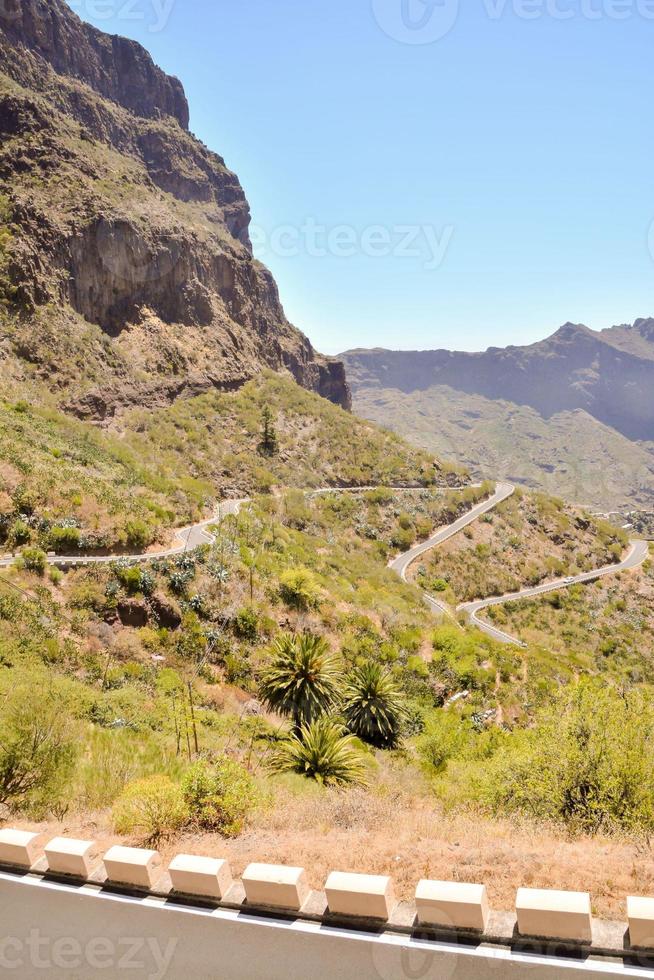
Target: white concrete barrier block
132,866
18,847
554,914
640,913
364,896
452,904
205,876
276,885
66,856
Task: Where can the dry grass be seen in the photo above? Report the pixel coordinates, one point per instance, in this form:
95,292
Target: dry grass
411,838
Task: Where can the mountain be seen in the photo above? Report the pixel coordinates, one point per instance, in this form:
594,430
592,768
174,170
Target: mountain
126,271
573,414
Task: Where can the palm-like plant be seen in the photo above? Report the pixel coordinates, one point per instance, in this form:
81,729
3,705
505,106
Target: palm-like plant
374,707
321,751
302,680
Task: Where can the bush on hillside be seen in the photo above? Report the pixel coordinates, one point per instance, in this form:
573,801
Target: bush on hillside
64,539
37,743
34,560
20,532
219,795
589,763
153,808
139,534
299,589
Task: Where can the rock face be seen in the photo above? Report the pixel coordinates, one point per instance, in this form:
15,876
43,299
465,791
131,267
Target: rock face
115,67
124,235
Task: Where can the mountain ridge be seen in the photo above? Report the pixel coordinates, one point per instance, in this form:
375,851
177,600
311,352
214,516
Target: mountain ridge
572,414
574,368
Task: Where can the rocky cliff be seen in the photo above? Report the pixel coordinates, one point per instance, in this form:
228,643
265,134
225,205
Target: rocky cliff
126,272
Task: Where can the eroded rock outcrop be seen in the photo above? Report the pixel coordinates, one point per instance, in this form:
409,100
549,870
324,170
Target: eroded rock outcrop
126,234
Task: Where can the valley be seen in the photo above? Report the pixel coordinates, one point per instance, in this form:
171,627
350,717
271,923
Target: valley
259,602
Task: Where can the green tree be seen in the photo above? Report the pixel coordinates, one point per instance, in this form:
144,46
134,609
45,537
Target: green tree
374,707
322,752
269,445
302,681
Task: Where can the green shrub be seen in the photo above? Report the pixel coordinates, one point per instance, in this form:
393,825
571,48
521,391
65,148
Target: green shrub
139,534
153,808
246,625
37,742
130,578
589,763
403,538
20,533
63,539
445,737
299,589
34,560
219,795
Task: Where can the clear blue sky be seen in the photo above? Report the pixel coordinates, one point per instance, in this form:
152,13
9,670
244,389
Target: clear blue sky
525,145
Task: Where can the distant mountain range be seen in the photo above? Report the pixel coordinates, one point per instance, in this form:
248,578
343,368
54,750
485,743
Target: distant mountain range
573,414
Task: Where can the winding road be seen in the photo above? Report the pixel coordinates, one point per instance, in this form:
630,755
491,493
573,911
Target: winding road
188,538
402,563
637,554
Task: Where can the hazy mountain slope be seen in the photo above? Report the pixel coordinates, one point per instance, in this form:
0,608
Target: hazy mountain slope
126,272
557,415
637,339
570,454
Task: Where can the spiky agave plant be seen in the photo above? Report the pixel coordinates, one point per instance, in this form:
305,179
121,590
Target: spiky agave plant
374,707
302,681
322,751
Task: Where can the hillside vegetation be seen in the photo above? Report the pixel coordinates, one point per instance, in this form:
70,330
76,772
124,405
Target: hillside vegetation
157,677
128,487
606,626
528,539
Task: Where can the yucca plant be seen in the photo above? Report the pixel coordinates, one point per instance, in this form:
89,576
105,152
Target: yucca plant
374,708
302,680
322,751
